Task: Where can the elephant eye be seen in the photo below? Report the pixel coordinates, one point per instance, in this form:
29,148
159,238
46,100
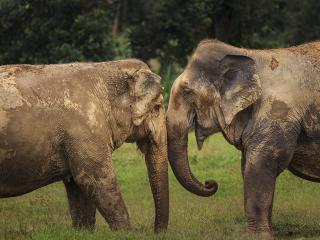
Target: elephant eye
157,108
156,111
187,91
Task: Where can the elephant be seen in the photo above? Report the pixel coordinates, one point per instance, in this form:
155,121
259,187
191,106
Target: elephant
61,122
265,102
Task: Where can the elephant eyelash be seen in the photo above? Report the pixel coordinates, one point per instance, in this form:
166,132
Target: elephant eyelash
191,117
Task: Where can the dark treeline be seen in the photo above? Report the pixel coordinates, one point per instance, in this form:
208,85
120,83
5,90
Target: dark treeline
54,31
51,31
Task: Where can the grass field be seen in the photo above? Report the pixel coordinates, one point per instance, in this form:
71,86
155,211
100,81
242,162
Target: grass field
43,214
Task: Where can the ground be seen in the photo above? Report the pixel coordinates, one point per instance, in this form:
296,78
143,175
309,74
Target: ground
43,214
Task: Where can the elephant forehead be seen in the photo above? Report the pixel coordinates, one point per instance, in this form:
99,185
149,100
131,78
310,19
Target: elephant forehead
197,79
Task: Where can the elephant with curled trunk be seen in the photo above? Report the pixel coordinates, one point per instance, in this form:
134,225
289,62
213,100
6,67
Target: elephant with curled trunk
62,123
265,102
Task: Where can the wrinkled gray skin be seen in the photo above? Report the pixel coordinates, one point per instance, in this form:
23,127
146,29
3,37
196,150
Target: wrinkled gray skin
62,122
264,102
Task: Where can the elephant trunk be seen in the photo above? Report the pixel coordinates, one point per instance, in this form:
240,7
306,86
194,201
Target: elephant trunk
178,158
157,164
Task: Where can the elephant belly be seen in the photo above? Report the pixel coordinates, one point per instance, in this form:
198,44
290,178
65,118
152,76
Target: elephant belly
306,160
30,156
22,172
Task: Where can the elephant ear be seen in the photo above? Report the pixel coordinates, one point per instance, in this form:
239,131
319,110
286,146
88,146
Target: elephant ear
240,86
145,89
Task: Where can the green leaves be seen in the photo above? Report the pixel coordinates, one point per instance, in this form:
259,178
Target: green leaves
167,30
58,31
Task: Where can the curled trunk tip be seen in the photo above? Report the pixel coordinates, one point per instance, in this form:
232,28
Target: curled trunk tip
178,158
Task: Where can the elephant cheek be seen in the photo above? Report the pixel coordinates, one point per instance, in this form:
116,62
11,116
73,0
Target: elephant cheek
157,127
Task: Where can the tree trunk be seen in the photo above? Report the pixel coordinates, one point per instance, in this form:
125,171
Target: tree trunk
116,28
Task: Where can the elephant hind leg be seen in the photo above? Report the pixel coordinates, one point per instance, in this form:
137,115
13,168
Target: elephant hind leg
82,209
92,170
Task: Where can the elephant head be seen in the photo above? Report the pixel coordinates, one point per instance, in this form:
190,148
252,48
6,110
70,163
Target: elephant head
217,84
150,133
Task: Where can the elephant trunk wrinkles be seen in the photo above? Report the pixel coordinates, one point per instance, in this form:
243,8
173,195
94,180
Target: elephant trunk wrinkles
157,163
178,158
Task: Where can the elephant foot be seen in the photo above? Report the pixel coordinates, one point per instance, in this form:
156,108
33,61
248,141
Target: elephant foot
121,226
266,236
128,228
137,229
262,235
84,225
259,234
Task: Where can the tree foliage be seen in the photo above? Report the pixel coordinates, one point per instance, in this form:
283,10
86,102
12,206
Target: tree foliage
39,31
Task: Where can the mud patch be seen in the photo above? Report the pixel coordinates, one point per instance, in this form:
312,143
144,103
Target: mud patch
274,64
310,51
91,115
312,119
3,120
10,96
69,104
279,110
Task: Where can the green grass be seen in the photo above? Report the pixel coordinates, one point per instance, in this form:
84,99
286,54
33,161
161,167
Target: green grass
43,214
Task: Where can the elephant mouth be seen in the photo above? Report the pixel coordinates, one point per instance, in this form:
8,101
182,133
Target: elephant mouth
201,132
200,137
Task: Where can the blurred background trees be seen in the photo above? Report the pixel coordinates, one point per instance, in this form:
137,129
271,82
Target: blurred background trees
56,31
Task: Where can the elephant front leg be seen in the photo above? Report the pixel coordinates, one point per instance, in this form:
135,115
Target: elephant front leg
259,186
93,171
82,210
266,156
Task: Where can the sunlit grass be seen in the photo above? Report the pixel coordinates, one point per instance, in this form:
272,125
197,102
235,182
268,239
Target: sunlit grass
43,214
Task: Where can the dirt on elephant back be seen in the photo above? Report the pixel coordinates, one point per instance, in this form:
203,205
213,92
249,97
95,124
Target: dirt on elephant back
310,50
131,63
22,67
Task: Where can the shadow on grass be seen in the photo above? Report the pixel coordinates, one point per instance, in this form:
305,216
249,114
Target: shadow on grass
287,230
